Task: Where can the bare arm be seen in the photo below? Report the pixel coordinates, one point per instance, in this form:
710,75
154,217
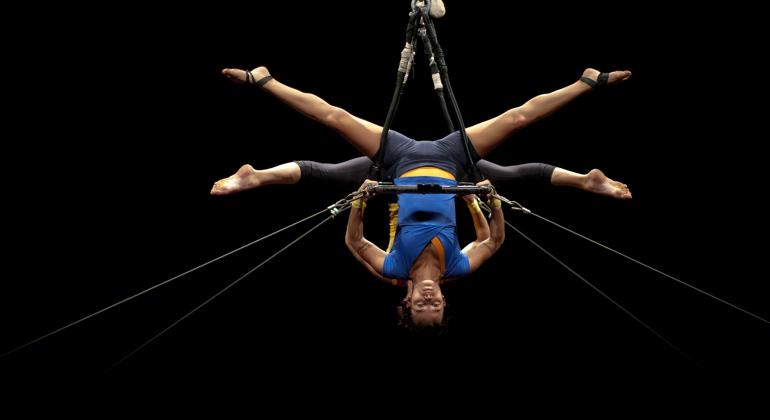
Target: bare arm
365,252
373,271
479,222
481,252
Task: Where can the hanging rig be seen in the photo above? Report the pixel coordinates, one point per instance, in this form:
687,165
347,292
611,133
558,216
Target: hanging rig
420,27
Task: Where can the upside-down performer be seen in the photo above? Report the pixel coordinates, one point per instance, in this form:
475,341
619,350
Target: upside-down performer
425,249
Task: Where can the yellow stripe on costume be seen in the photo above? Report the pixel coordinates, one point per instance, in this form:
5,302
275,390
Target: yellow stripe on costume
393,218
475,213
440,249
428,171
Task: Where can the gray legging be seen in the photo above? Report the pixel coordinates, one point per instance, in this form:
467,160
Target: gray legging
351,173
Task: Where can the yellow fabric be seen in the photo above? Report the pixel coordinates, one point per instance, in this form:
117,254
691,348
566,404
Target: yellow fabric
393,217
428,171
475,214
358,204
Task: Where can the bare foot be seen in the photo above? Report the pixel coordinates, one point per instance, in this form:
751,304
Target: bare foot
239,76
246,178
598,183
437,9
614,76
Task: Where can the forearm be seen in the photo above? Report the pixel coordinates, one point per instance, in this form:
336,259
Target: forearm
354,234
479,221
479,224
364,251
497,228
479,252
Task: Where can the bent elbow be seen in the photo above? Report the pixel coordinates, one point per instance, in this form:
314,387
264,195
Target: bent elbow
353,243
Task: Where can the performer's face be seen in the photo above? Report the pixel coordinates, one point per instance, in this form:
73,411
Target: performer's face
427,303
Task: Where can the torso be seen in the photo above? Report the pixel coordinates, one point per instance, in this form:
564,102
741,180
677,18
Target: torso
421,219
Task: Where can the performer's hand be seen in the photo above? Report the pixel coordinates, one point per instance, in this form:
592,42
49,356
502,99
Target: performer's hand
469,198
360,203
365,187
491,200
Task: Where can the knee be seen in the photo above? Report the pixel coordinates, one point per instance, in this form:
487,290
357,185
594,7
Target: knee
516,118
335,116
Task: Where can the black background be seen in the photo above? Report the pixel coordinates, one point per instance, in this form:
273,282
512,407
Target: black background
136,122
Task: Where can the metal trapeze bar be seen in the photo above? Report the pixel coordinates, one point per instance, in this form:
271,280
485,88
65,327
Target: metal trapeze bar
388,188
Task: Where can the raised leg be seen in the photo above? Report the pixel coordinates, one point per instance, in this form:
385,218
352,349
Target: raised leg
487,135
362,134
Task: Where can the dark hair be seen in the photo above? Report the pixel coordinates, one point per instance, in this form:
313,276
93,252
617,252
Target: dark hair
406,322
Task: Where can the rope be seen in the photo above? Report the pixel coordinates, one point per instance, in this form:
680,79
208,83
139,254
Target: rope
653,269
627,312
153,338
334,208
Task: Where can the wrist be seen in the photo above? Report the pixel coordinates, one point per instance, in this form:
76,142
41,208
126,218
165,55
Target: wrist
473,206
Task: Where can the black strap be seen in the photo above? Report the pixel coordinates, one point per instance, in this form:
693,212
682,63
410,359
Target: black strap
376,170
603,78
258,83
600,81
261,82
471,169
588,81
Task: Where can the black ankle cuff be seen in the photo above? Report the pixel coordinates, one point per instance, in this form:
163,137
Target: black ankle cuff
601,80
261,82
588,81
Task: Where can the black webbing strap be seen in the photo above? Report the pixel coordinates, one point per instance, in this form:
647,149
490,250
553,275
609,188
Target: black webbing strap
601,80
435,73
472,170
433,49
376,170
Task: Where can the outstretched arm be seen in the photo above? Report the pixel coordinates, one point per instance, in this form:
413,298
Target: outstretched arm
481,252
366,252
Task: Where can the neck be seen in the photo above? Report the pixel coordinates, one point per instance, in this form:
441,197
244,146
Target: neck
426,266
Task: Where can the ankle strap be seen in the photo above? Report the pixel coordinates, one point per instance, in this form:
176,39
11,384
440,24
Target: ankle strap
261,82
600,81
258,83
